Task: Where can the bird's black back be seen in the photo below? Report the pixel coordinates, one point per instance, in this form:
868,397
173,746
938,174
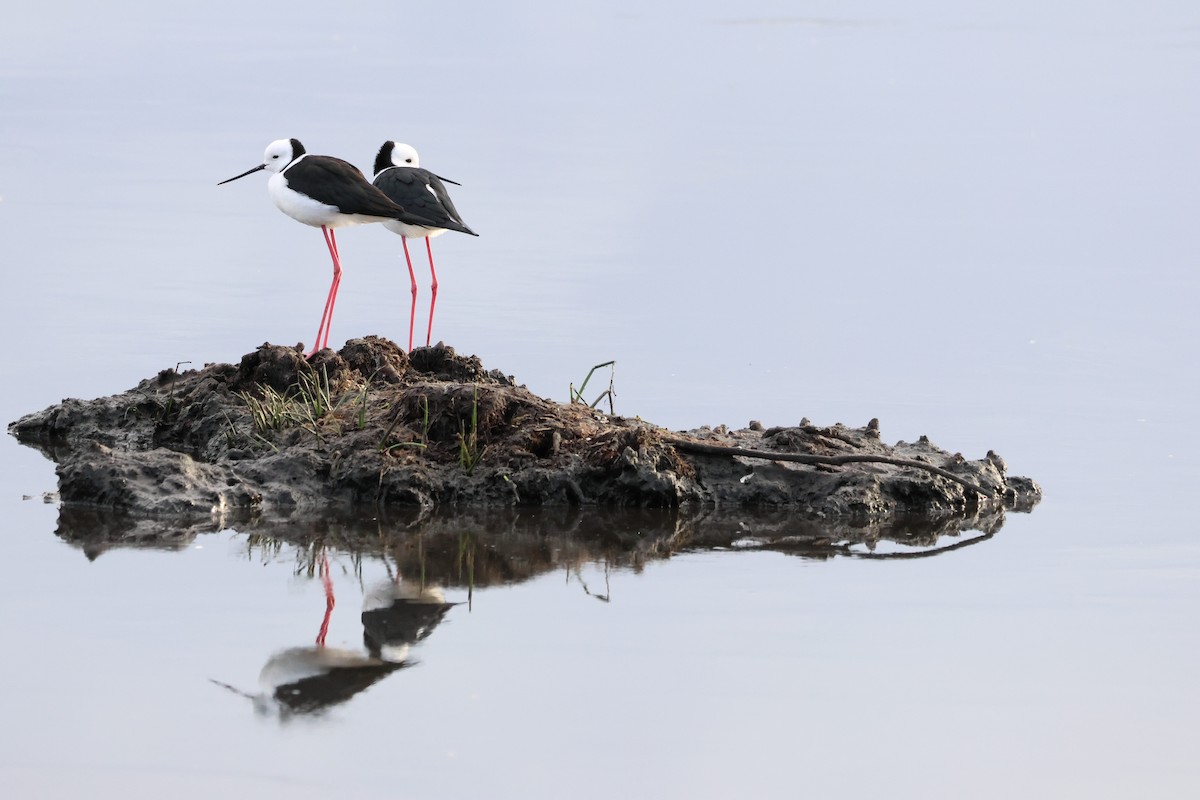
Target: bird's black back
422,193
339,183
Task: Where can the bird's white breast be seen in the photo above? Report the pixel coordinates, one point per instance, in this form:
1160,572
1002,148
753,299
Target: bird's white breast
303,208
299,207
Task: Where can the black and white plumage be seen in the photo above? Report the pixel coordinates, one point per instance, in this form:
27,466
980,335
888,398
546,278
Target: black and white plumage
398,174
327,193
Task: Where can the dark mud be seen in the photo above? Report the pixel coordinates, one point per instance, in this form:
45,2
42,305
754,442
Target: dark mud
373,428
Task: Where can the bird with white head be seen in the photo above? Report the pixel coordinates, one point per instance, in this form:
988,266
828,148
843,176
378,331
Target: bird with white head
398,174
327,193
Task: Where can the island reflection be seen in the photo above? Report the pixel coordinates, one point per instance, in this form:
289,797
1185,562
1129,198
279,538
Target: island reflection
481,547
427,553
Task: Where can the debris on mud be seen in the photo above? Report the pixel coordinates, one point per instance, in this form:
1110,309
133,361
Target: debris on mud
374,427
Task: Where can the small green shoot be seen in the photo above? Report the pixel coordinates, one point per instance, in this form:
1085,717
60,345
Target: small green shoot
469,453
610,392
362,406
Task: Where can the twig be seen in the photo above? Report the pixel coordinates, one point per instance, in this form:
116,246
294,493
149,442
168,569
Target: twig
692,446
577,396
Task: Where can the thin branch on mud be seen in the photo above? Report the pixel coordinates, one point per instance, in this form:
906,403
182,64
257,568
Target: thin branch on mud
692,446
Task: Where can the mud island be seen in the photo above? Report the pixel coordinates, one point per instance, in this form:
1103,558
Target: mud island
371,426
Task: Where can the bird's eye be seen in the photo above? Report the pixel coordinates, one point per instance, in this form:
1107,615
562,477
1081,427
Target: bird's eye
408,161
274,156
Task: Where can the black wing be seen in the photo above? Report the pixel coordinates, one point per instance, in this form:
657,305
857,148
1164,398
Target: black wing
339,183
423,194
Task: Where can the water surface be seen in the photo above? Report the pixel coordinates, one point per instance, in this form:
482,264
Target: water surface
973,223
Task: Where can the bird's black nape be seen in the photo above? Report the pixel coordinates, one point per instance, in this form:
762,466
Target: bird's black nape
297,149
384,159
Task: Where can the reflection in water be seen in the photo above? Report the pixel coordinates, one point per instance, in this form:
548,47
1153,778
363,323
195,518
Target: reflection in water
397,614
97,530
480,548
327,583
424,552
577,573
921,553
308,680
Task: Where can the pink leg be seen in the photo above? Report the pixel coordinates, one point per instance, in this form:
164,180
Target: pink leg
433,300
328,298
329,601
333,239
327,315
412,276
337,281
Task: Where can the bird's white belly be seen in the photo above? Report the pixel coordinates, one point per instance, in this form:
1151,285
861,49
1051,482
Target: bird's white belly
303,208
412,231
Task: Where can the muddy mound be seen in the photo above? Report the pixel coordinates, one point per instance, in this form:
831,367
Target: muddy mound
373,426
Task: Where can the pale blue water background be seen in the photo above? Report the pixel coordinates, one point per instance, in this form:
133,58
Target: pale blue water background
974,221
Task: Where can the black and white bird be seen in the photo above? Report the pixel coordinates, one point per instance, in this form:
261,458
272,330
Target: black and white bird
327,193
398,174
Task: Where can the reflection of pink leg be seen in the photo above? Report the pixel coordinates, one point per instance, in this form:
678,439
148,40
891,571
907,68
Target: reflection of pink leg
433,300
327,315
412,276
329,601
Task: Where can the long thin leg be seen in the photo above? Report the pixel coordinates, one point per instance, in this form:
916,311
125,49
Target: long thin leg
327,315
329,601
412,276
337,282
333,239
433,300
328,297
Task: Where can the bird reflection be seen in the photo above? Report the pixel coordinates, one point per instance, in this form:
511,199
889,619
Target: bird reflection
308,680
399,613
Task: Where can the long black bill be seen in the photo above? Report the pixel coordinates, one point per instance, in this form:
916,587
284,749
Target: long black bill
244,174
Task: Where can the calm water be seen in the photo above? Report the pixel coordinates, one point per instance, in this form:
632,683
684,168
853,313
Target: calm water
976,224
